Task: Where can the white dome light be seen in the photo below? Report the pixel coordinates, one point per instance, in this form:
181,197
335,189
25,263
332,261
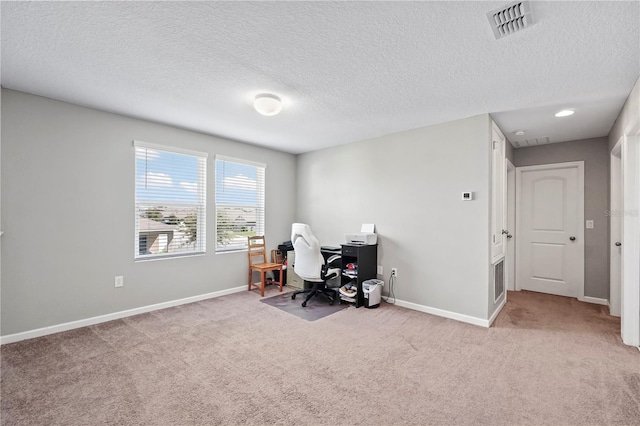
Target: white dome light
565,113
267,104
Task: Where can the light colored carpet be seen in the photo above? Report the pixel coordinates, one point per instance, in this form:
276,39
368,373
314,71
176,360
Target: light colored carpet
233,360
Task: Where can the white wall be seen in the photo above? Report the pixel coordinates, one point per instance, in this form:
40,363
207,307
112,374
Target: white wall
68,207
409,184
628,117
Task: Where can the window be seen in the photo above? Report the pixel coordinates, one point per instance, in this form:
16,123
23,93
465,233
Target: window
239,202
170,201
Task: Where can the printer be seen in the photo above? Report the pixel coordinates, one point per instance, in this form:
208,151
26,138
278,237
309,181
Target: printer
361,238
366,236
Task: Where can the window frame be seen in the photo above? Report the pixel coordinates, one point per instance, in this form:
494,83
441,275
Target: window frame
261,172
200,204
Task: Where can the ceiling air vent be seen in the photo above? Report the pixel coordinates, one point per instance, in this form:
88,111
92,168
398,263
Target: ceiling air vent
510,19
544,140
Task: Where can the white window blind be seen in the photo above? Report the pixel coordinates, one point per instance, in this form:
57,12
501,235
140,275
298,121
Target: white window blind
170,211
239,202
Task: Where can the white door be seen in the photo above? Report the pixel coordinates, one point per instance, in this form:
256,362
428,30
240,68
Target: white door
498,194
550,245
615,223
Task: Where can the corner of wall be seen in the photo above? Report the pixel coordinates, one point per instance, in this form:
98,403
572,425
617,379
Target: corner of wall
629,115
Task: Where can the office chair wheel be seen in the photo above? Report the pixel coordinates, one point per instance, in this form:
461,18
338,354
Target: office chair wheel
331,302
304,304
293,297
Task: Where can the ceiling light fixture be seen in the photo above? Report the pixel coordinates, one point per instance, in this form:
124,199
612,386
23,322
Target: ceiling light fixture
267,104
565,113
519,133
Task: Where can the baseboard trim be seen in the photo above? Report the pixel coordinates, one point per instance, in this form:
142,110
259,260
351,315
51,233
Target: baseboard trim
39,332
595,300
497,311
446,314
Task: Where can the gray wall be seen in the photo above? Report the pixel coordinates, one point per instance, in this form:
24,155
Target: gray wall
409,184
68,214
595,154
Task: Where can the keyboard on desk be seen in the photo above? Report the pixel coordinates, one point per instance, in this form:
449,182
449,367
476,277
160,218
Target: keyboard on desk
328,251
330,248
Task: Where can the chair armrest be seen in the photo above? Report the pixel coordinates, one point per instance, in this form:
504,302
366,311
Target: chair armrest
331,269
334,261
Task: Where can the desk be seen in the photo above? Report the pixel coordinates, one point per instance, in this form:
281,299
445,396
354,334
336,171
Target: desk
364,256
292,279
327,252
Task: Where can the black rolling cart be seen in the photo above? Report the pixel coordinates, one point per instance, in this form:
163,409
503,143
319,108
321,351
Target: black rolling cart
359,263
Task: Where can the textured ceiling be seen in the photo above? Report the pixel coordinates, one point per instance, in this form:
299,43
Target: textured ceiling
347,71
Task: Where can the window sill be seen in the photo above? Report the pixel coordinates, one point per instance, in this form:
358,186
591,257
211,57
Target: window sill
240,250
166,257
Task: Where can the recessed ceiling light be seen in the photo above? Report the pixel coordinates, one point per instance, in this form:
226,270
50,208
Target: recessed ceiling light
267,104
565,113
519,132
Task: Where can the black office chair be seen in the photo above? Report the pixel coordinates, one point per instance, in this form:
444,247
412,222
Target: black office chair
310,264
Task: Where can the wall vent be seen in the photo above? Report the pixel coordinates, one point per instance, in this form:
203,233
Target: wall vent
510,19
498,280
532,142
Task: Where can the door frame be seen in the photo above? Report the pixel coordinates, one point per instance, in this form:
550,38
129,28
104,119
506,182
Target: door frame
511,226
580,219
615,228
630,292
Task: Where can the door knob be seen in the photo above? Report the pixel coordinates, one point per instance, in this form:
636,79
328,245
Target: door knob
504,231
509,236
618,244
572,238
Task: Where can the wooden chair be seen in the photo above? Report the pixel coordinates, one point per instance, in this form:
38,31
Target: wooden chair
258,262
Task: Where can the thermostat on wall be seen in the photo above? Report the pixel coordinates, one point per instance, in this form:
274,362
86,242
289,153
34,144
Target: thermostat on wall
466,196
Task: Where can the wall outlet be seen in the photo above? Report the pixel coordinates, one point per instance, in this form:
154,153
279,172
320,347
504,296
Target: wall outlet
394,272
380,270
589,224
119,282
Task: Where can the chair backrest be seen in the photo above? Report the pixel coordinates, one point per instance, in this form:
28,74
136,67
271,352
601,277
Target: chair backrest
309,260
257,250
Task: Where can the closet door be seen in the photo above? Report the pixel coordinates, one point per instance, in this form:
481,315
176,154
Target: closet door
498,194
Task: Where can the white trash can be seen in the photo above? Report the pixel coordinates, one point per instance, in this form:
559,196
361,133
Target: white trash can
372,290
